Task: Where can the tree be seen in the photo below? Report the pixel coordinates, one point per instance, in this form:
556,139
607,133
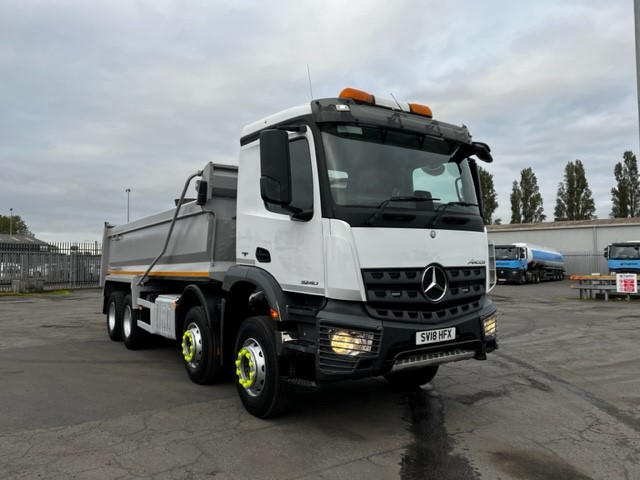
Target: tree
489,197
526,200
574,200
516,203
13,224
626,195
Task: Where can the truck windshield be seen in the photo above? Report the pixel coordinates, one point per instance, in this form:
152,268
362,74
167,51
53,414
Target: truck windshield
368,166
624,252
507,253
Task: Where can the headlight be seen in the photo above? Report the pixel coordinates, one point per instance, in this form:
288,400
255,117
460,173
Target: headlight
490,326
345,342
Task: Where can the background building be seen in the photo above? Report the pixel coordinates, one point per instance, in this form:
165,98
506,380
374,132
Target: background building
581,242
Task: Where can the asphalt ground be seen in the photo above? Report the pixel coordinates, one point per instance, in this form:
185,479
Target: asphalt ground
560,399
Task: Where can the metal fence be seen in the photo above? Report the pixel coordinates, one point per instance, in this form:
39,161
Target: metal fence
585,263
58,265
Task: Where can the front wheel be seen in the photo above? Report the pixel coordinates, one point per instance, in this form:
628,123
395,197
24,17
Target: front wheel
259,386
412,378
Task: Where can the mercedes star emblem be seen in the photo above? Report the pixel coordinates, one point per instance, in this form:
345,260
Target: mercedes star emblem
434,283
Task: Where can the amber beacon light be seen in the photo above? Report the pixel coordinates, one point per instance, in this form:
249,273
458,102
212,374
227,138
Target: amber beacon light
364,97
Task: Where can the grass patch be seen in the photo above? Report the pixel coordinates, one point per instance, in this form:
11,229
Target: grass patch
36,294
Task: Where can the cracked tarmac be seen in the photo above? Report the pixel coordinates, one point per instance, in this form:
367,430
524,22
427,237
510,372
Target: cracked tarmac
559,400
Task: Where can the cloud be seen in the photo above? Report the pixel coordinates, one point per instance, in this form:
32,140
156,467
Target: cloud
101,97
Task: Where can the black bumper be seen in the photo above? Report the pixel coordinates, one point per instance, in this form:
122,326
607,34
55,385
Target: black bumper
510,276
394,342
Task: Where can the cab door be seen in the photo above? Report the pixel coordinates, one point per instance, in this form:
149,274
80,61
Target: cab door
286,240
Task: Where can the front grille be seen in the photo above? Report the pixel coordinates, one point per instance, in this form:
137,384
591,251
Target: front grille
397,294
331,362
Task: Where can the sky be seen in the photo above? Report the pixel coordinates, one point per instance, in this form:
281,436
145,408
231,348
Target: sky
100,97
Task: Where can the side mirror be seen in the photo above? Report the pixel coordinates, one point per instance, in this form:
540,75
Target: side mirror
482,151
275,176
606,253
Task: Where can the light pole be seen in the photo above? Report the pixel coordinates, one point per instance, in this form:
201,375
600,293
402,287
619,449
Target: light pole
636,14
10,221
128,190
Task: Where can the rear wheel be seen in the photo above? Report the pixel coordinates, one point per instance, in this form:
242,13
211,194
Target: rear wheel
115,310
411,378
200,348
259,386
133,336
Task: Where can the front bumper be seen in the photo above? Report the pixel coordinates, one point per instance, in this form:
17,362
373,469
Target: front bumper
506,275
393,343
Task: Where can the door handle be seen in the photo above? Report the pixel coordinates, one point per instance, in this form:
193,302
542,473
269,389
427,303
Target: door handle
263,255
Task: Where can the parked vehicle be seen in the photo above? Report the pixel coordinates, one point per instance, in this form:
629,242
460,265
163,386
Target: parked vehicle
623,257
525,263
9,271
348,242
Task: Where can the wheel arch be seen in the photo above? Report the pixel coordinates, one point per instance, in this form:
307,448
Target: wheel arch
242,281
250,292
207,297
109,288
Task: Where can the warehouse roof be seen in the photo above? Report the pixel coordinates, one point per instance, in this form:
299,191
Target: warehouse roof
605,222
20,239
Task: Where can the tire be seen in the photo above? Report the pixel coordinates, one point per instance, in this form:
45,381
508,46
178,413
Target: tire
115,311
410,379
200,348
259,385
133,336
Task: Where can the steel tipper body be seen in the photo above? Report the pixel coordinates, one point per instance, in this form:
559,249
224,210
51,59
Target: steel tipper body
359,251
525,263
623,257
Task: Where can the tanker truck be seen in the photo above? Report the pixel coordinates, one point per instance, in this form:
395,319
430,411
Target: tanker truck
525,263
623,257
347,242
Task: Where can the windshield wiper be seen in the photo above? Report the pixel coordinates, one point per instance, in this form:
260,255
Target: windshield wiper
407,198
441,209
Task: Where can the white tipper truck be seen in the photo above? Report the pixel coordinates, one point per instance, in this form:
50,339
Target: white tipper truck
348,242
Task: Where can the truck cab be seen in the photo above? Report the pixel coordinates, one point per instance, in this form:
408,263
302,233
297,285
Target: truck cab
623,257
368,218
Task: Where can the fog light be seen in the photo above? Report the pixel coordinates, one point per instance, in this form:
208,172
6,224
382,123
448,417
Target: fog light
490,325
344,342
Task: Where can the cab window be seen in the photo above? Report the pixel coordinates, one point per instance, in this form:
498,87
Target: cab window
301,179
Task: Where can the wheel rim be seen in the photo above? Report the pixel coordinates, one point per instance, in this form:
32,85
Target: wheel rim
127,321
250,367
111,317
192,345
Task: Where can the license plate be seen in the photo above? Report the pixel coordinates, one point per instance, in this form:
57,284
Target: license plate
434,336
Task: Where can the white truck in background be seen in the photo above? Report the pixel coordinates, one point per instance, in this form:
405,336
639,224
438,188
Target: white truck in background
348,242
